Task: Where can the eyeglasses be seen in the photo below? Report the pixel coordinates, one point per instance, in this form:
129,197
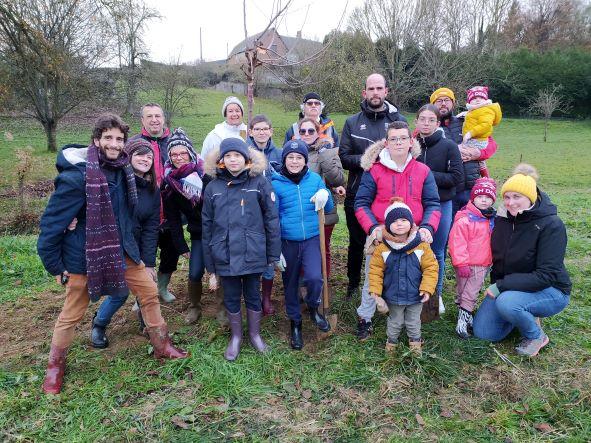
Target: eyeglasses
310,131
445,100
427,120
180,155
397,140
260,129
313,103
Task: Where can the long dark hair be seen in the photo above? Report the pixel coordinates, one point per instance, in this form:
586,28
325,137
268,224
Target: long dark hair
149,176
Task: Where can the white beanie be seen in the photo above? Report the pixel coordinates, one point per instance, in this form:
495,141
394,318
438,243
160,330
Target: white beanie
229,101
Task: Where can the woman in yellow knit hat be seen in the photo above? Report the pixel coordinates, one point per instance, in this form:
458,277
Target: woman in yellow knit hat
528,276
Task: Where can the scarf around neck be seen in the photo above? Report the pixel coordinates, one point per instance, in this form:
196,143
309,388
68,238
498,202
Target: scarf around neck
297,177
158,167
104,261
185,181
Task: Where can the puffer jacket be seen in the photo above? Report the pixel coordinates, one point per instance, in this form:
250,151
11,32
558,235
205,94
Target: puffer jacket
400,271
528,249
240,232
444,159
61,249
380,182
146,219
299,220
323,159
327,129
360,132
272,154
220,132
469,238
480,120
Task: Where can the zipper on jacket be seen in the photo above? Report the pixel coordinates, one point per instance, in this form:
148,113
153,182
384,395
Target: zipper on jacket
242,206
410,185
301,211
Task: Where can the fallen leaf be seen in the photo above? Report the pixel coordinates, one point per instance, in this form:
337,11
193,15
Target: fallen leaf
543,427
8,136
446,413
179,422
18,282
420,420
307,394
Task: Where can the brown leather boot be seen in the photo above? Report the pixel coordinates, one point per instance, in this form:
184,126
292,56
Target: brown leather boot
416,348
163,347
268,308
56,366
194,312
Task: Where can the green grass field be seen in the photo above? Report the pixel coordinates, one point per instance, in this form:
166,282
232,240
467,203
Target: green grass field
336,389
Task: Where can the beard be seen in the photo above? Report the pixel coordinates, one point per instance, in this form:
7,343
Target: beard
376,103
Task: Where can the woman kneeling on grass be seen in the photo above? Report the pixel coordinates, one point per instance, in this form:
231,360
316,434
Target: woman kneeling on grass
300,194
528,275
240,234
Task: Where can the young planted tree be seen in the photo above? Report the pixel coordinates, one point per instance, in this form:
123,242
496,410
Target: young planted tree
547,102
51,49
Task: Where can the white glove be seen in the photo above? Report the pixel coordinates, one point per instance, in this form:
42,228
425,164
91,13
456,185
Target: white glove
320,199
281,264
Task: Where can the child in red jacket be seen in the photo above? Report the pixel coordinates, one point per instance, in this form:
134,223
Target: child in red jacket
469,248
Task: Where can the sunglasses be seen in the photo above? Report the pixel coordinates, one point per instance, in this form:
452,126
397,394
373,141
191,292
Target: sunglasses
313,103
310,131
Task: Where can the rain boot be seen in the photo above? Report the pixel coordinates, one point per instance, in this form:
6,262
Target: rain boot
296,340
318,319
98,335
194,312
233,348
163,292
220,315
163,347
56,366
267,286
254,330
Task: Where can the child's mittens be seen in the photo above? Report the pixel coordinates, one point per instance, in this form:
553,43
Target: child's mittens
463,271
381,304
281,264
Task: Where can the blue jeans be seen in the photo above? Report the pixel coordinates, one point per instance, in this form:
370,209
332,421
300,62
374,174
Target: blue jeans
440,240
107,309
459,201
496,318
196,261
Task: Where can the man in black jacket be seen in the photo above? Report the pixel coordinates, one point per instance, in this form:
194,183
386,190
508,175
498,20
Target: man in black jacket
360,131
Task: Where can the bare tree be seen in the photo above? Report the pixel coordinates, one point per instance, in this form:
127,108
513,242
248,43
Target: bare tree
173,83
130,19
50,49
547,102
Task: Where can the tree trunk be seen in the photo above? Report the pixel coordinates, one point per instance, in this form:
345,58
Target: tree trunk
50,128
545,129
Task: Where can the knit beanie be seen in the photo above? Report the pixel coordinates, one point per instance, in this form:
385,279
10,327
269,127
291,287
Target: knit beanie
523,182
236,145
138,145
231,100
298,146
442,92
477,91
396,210
311,96
484,186
179,138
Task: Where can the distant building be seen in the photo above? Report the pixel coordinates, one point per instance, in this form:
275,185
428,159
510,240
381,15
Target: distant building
275,47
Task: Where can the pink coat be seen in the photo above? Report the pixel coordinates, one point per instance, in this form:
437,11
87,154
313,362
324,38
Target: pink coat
469,238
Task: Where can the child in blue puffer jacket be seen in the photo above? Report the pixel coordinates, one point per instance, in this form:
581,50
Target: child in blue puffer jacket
300,194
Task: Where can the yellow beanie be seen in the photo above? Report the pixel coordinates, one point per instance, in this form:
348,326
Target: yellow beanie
523,181
442,92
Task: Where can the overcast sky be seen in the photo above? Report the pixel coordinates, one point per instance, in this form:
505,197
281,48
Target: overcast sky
222,25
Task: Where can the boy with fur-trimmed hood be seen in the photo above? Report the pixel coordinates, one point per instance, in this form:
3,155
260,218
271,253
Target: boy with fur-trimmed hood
402,273
241,234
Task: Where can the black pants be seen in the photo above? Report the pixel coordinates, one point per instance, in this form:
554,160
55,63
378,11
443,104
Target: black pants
234,287
357,238
169,257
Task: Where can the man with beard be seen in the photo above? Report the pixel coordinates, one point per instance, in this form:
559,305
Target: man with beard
99,256
445,100
360,131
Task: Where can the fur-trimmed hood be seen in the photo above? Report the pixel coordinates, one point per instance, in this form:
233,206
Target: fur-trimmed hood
372,153
258,162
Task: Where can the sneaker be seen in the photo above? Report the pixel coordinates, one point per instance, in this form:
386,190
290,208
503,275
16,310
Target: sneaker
441,306
530,348
462,325
364,329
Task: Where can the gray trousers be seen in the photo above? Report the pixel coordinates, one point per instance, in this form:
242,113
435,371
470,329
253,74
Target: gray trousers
367,308
404,315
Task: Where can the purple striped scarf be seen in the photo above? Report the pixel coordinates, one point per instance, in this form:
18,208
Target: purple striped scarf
104,261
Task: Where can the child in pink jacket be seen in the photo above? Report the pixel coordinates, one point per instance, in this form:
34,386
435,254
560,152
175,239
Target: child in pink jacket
469,248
